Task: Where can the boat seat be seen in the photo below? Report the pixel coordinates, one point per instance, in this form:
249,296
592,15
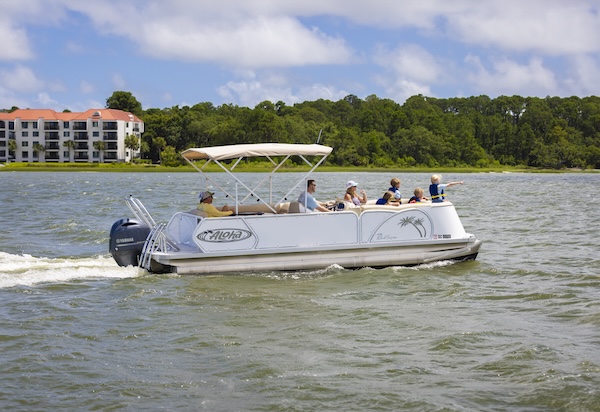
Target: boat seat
197,212
296,207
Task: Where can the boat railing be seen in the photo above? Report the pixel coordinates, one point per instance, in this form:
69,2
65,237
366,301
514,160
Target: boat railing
156,241
140,211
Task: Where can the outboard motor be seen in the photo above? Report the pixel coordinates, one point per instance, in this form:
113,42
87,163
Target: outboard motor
127,238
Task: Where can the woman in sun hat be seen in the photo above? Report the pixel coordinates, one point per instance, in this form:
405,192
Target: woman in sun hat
352,196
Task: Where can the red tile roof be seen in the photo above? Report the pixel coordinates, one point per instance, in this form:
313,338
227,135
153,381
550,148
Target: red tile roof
49,114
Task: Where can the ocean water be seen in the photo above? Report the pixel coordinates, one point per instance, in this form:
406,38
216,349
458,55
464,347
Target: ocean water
518,329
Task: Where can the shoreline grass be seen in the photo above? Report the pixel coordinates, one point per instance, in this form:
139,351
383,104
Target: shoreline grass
264,167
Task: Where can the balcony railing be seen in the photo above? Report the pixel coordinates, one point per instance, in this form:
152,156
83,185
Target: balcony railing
52,136
110,136
81,136
51,126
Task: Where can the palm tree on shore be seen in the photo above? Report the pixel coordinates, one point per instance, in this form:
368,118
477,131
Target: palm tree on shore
100,146
71,145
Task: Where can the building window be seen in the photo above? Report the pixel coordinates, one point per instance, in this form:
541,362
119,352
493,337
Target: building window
35,125
96,134
25,134
25,155
11,125
66,155
24,143
65,125
36,134
24,125
94,124
66,133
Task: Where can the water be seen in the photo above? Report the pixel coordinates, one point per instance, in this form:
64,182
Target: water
518,329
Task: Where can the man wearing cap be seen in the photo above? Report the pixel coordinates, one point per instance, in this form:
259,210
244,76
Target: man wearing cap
205,205
352,196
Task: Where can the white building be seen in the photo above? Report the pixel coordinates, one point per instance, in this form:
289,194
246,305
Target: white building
41,136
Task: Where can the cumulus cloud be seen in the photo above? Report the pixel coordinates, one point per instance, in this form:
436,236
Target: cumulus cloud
507,76
255,89
21,79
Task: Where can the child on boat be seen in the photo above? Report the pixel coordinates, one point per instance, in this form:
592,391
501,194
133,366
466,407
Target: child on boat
387,199
436,189
418,197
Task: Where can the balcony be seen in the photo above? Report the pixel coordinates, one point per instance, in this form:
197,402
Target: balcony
109,126
81,156
80,126
111,136
111,146
51,156
51,126
52,146
52,136
82,146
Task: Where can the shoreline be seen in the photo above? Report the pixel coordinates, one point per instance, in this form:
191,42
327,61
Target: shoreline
120,168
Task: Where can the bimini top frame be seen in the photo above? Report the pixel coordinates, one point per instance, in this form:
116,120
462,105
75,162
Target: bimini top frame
217,154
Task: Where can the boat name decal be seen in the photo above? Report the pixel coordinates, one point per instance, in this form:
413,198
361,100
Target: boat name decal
224,235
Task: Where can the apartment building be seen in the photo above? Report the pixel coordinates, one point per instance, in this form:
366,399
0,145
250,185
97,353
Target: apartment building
43,135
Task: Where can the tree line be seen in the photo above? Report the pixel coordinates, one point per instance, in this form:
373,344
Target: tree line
479,131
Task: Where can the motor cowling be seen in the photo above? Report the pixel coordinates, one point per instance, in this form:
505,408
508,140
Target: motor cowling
127,238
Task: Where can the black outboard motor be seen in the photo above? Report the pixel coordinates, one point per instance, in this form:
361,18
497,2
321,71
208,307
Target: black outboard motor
127,238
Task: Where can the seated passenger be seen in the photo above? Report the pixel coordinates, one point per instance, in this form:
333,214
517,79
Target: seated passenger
436,189
307,199
206,206
352,196
418,197
387,199
395,189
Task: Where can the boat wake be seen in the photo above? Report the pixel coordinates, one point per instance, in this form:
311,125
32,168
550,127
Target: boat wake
28,270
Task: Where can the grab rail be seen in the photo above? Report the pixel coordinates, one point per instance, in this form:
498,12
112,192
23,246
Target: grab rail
140,211
156,241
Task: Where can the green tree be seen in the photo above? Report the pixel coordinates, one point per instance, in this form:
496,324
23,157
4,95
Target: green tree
169,157
124,101
38,148
100,147
70,144
132,142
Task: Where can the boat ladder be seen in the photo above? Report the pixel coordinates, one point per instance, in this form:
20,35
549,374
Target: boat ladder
156,241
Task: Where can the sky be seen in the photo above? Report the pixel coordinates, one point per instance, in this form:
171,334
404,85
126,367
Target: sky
73,54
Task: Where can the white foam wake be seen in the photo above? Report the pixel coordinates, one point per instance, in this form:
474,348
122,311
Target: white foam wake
29,270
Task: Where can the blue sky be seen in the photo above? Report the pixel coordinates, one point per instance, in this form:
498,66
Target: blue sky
73,54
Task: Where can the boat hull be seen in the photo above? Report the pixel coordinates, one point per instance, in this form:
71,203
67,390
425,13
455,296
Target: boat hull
349,258
366,237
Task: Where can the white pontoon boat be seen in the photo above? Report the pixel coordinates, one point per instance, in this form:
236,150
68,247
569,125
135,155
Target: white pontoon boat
270,233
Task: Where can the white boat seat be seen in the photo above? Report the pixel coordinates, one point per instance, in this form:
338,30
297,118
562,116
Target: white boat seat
296,207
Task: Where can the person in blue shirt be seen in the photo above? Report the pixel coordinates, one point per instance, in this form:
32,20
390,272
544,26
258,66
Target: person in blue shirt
436,188
418,197
306,198
387,199
395,189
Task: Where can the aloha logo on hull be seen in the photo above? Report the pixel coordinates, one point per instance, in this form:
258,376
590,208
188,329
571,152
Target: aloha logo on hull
224,235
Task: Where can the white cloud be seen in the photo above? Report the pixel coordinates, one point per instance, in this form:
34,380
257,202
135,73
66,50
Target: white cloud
86,87
118,81
253,90
509,77
408,70
21,79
